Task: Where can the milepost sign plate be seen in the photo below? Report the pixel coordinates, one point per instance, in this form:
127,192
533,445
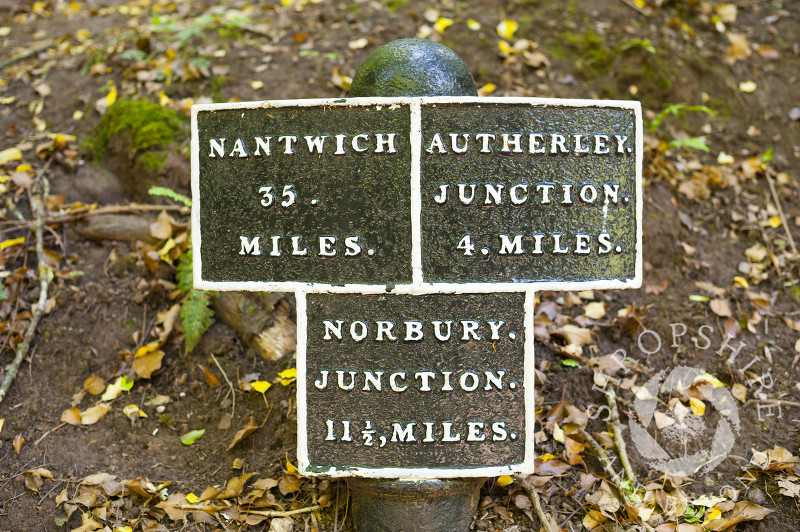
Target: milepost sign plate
417,195
413,232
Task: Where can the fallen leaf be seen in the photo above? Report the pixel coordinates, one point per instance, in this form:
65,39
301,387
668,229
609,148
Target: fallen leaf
71,416
507,28
192,436
148,364
287,376
289,484
595,310
92,415
743,511
94,384
739,391
442,24
261,386
10,154
357,44
161,229
281,524
133,411
504,480
721,307
211,379
17,442
249,428
740,48
747,86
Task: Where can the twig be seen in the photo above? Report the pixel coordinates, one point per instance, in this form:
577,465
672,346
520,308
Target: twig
263,513
281,513
233,391
780,213
12,208
602,455
26,53
616,431
85,212
43,436
41,186
530,489
780,402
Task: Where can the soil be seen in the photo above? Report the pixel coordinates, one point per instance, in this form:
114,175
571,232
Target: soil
293,50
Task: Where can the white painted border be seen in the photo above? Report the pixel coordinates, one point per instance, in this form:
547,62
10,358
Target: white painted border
416,286
418,473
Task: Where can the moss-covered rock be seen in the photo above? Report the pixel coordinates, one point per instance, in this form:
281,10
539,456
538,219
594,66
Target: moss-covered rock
135,139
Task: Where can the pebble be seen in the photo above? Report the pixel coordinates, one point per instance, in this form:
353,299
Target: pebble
757,496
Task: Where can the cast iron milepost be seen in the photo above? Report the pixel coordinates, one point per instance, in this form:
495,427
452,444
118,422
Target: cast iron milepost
413,224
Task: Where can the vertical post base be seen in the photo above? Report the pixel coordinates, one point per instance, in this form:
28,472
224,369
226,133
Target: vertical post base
388,505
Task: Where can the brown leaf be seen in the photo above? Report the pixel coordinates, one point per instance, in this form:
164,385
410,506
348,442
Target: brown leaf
211,379
740,48
146,365
161,229
289,484
171,506
71,416
739,391
17,442
234,487
657,289
92,415
721,308
249,428
711,288
94,384
743,511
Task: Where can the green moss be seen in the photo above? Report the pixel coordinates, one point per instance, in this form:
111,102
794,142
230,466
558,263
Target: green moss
589,51
144,129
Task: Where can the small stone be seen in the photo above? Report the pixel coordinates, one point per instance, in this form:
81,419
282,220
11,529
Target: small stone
757,496
794,113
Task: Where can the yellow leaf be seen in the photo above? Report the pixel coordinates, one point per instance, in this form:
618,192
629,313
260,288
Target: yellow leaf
287,376
712,514
595,310
191,498
77,115
546,457
291,469
741,282
725,158
707,377
504,480
698,407
505,48
474,25
164,251
10,154
92,415
507,28
747,86
487,89
112,390
71,416
558,433
147,348
82,34
442,24
111,97
2,422
257,84
261,386
774,222
133,410
5,30
238,463
12,242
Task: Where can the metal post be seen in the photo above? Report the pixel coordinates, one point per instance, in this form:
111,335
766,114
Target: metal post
413,505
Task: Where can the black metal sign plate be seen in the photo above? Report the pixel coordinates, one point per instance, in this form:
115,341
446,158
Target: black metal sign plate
415,385
417,195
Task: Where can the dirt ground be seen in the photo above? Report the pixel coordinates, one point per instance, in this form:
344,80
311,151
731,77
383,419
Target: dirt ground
721,218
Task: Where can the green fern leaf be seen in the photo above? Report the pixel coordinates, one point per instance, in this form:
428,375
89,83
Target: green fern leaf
196,317
184,274
171,194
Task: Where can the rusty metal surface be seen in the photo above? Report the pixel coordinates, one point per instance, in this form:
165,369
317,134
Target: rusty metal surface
409,506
